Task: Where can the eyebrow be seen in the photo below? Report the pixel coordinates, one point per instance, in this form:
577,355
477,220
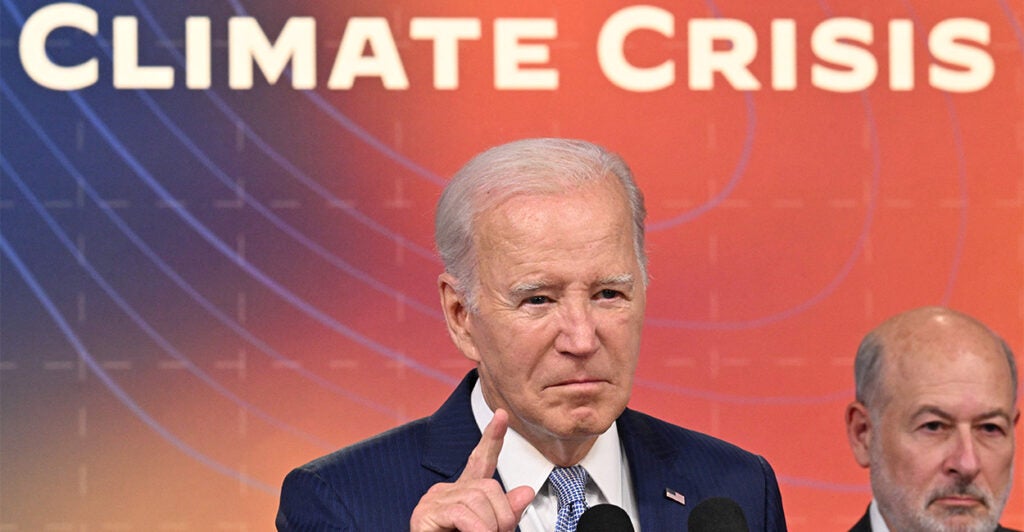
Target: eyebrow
528,288
931,409
624,278
531,287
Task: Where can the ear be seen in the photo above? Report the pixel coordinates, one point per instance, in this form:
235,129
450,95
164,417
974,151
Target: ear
858,431
456,316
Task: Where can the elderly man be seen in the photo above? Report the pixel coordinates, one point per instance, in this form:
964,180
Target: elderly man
934,420
544,291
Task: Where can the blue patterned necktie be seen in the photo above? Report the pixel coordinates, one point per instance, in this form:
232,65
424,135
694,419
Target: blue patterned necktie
569,484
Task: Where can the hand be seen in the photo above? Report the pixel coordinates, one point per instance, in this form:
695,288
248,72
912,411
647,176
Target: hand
475,502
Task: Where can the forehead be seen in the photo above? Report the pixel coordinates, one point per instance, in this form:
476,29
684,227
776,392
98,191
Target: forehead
584,225
946,364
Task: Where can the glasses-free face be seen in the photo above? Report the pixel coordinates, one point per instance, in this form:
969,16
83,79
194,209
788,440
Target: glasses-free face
559,310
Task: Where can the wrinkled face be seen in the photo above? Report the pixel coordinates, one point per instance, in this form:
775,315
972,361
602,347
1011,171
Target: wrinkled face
941,453
560,305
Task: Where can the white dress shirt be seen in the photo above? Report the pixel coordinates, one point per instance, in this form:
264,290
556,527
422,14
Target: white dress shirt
877,522
519,464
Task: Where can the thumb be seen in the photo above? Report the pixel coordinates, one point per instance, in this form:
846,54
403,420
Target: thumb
519,499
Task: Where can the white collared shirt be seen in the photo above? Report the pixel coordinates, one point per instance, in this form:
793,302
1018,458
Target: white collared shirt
877,522
520,464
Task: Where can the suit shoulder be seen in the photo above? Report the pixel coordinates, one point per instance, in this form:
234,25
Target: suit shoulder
344,489
701,466
384,450
662,433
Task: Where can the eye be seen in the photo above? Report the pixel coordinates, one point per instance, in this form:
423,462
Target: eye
933,426
992,428
608,293
537,300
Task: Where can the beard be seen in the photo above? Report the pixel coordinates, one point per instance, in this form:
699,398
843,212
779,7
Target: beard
908,510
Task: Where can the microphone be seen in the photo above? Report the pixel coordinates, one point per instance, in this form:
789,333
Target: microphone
604,518
717,514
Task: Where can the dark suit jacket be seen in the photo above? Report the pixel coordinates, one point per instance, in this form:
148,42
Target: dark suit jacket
375,484
864,525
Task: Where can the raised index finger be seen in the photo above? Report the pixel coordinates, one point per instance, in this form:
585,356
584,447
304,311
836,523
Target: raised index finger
484,458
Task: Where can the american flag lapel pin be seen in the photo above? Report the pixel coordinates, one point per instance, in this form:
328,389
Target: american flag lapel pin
674,495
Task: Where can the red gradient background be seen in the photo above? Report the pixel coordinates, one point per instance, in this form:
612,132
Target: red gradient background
782,226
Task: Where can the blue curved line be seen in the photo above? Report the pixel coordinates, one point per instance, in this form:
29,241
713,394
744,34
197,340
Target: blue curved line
1017,32
172,275
130,311
347,122
253,271
961,167
734,180
684,217
281,160
125,399
332,259
843,271
840,275
823,486
277,221
738,171
705,395
115,143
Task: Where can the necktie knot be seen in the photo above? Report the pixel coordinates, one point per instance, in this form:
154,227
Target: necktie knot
569,485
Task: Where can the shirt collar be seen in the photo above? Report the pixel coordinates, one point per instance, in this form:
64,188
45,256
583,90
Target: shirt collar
520,464
877,522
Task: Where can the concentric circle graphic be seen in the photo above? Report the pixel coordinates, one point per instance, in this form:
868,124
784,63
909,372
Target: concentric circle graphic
202,288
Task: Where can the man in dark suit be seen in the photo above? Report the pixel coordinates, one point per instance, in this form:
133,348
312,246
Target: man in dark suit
544,289
934,420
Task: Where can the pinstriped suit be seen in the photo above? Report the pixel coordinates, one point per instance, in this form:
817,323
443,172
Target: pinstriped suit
375,484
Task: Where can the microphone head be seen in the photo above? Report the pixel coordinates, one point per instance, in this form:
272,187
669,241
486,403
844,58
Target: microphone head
604,518
717,514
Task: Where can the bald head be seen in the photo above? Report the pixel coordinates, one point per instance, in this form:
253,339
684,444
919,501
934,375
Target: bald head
935,421
935,335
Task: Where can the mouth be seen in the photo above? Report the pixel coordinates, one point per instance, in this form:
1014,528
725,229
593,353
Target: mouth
962,500
959,500
579,383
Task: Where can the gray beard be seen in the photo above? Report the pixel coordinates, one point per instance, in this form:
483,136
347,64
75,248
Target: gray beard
901,515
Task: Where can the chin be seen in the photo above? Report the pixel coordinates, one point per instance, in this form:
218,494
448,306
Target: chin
582,422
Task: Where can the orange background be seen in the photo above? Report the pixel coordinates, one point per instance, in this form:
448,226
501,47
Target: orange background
203,289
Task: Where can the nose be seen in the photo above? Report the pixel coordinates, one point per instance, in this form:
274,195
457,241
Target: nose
577,335
963,457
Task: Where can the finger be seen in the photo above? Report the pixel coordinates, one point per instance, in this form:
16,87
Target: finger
499,505
495,509
500,511
472,515
519,499
468,506
484,458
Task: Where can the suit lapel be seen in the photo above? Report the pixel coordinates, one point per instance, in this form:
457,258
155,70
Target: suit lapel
864,525
451,433
652,463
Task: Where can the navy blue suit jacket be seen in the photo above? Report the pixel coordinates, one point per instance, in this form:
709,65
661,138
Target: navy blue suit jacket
375,484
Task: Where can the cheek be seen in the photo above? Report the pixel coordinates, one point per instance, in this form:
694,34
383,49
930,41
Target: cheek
917,463
623,327
901,453
1000,464
516,351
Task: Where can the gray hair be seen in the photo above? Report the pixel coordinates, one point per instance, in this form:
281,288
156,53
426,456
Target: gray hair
530,166
867,367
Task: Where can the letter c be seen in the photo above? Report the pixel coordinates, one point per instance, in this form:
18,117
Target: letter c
612,38
32,47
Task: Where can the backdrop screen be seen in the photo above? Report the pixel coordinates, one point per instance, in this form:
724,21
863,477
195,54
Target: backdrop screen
216,250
